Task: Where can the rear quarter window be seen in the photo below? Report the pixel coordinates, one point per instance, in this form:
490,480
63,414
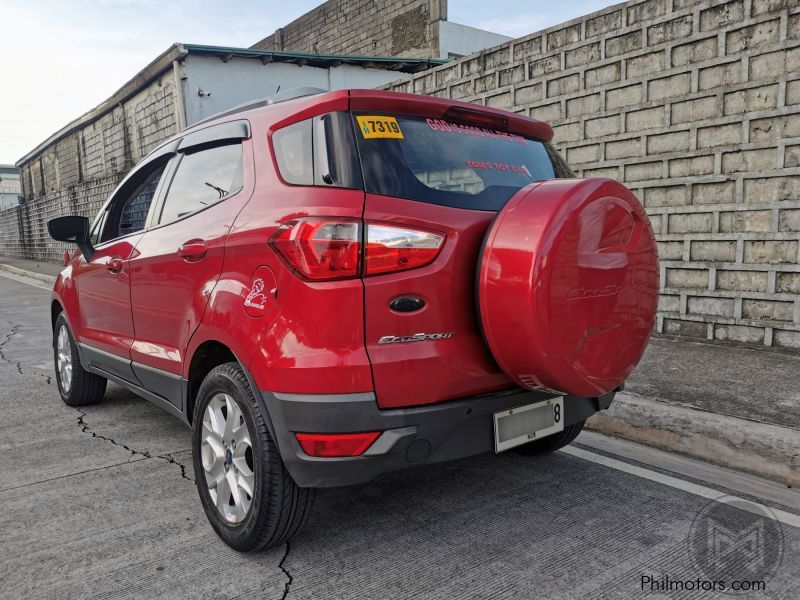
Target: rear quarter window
294,153
447,163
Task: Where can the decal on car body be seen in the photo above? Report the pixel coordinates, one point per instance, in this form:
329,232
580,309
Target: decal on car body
417,337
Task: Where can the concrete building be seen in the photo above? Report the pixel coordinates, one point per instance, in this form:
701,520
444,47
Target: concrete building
10,190
417,28
75,169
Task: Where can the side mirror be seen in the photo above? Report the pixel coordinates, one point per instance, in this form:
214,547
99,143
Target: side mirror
72,229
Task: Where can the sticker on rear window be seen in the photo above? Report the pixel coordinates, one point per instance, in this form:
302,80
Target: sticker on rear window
379,126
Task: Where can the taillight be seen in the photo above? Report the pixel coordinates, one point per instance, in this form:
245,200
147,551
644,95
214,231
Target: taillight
326,248
320,248
336,444
392,248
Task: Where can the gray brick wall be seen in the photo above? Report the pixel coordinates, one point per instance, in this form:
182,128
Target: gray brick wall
78,173
364,27
695,105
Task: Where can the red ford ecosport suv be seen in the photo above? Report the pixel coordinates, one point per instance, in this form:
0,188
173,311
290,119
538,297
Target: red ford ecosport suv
334,285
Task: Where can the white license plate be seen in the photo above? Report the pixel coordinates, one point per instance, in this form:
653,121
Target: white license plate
524,424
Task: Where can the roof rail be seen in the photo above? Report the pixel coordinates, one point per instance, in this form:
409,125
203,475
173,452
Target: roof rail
277,97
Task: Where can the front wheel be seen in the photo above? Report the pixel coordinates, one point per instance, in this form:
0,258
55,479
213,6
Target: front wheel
76,385
552,442
248,496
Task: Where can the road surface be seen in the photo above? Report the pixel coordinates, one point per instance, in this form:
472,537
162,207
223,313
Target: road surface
100,503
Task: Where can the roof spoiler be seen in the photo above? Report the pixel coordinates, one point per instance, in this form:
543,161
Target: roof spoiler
441,108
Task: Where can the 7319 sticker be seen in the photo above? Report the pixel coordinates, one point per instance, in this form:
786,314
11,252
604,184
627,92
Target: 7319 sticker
379,126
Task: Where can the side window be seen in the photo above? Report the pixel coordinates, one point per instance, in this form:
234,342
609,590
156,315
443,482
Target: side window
294,153
127,211
203,178
134,211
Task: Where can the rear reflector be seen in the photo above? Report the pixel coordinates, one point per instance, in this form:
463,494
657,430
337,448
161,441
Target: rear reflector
336,444
392,248
320,248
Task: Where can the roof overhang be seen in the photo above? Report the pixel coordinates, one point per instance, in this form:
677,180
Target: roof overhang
179,51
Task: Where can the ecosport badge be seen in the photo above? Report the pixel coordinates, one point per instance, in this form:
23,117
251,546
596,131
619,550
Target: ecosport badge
417,337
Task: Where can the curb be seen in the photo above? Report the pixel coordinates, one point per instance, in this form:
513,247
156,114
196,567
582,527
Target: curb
762,449
42,277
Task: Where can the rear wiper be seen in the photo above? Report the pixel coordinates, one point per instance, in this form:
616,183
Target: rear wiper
222,193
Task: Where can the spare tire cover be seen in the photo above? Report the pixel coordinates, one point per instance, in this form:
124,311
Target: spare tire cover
568,286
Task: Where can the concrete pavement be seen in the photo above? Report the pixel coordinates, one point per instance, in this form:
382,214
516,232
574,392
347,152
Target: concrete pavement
98,504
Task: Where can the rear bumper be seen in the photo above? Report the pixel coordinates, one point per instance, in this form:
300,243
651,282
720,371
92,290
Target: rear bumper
411,436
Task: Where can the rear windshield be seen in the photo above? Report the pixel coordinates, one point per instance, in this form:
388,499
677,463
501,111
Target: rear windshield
447,163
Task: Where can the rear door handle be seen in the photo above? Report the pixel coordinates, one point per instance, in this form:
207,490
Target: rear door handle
115,264
193,250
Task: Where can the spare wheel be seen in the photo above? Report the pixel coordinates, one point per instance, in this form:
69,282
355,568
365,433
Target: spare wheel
568,286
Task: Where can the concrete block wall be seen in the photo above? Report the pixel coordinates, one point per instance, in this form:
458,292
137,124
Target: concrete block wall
695,105
364,27
78,173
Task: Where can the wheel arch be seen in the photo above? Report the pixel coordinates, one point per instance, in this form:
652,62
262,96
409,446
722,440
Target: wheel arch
207,355
55,310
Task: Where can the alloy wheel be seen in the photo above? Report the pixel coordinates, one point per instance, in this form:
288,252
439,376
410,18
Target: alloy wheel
227,454
64,358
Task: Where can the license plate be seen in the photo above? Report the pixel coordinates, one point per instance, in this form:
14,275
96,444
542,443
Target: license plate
524,424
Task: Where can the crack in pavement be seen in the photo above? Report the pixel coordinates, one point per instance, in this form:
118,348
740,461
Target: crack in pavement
18,365
11,333
82,415
171,459
165,457
287,586
85,429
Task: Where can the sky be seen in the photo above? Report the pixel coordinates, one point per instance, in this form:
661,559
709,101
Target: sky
60,58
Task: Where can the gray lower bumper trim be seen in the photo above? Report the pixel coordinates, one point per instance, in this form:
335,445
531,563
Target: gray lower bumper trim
422,434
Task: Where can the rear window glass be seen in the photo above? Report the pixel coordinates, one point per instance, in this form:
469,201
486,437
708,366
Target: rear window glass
441,162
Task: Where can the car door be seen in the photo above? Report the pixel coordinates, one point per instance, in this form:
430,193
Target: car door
179,259
103,283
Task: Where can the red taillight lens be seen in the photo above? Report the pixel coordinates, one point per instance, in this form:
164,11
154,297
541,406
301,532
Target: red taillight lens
336,444
320,248
392,248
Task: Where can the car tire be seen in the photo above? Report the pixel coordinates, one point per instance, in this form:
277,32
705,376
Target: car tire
77,386
277,507
552,442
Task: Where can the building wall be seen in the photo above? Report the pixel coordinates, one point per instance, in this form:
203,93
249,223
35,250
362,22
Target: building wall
458,40
228,84
695,105
364,27
76,174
